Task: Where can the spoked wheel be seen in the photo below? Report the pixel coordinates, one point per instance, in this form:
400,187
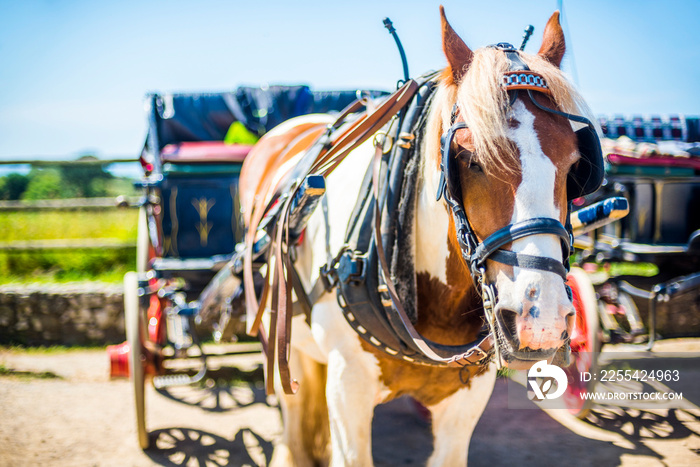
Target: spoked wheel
143,243
585,343
135,336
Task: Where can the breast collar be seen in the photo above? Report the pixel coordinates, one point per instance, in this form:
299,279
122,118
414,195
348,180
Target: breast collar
517,78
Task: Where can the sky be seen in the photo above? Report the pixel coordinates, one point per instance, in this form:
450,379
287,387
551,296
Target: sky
74,73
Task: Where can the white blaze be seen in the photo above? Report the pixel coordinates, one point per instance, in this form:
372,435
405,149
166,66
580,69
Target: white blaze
535,195
538,297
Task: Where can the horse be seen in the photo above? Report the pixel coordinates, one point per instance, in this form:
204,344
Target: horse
498,158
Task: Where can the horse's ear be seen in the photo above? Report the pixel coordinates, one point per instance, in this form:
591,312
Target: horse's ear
553,46
459,56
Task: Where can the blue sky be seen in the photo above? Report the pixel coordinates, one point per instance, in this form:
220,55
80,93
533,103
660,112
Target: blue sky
73,73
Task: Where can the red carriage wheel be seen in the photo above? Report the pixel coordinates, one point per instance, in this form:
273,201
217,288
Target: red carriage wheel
135,336
585,344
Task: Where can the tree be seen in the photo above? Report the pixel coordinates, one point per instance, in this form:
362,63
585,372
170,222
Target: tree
12,186
86,181
46,184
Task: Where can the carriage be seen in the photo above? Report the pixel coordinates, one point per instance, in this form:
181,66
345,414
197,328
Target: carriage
644,281
189,273
189,225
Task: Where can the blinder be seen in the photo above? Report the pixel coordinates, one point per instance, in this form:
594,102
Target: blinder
587,176
588,173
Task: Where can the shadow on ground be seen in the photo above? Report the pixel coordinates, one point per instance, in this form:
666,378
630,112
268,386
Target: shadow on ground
187,447
223,390
402,434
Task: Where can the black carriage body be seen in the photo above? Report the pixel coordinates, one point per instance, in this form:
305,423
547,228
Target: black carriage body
663,225
191,174
199,214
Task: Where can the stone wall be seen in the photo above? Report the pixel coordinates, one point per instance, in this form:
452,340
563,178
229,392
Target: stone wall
62,314
93,314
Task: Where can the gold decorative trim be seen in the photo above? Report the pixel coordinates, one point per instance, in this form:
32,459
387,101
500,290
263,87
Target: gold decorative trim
203,206
170,242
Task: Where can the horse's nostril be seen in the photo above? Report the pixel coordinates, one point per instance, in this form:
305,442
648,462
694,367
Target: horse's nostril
507,317
567,311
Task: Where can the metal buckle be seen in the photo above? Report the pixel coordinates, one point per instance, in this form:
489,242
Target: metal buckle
350,268
329,273
384,141
505,46
480,351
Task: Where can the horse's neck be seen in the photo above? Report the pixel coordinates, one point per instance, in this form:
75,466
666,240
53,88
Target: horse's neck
432,224
446,297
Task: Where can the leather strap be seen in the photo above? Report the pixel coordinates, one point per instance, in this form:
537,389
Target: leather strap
470,354
529,262
364,128
281,268
510,233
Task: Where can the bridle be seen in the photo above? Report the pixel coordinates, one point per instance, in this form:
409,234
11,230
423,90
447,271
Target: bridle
583,181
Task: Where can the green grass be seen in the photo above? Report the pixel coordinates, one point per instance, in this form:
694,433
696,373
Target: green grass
21,374
63,274
67,265
41,225
48,350
505,373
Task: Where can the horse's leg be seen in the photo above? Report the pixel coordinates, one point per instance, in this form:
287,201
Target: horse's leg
455,418
305,437
351,400
352,387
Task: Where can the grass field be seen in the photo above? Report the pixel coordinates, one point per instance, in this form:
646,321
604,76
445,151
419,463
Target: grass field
41,225
76,264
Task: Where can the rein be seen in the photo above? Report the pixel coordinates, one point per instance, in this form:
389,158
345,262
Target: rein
471,354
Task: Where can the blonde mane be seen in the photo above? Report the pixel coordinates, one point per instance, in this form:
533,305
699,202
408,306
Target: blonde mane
484,107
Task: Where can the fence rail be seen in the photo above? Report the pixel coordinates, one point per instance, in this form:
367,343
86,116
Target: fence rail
48,162
66,244
70,204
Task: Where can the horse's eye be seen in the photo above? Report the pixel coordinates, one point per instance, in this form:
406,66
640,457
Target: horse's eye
474,167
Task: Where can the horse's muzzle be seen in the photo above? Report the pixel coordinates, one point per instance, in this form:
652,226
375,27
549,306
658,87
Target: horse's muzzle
526,338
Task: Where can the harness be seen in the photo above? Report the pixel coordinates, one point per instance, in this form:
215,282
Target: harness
374,273
367,281
375,289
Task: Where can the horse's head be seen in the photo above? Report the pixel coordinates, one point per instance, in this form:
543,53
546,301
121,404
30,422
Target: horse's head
510,161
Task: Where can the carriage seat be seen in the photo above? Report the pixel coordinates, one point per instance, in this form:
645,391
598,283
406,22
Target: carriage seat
205,152
663,189
655,161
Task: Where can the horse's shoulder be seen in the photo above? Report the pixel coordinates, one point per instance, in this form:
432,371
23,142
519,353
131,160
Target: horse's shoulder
272,152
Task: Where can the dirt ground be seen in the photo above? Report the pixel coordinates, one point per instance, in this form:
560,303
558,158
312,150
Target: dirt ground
61,408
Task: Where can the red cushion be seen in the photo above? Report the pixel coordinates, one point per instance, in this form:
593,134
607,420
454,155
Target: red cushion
658,161
205,151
